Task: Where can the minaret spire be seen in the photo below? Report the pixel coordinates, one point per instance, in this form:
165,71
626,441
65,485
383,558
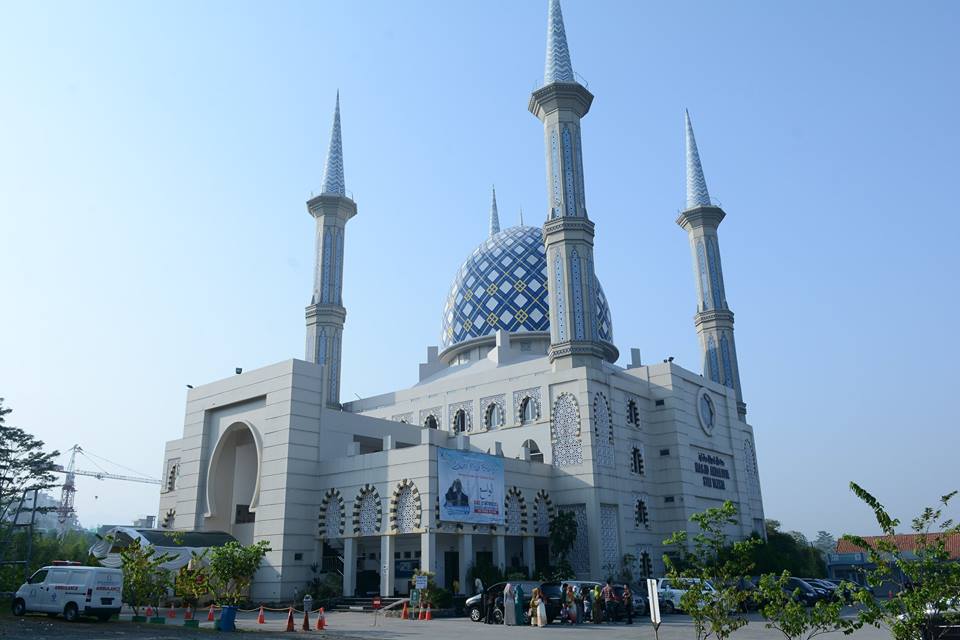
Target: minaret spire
558,67
333,183
494,216
714,319
521,216
575,338
326,314
697,194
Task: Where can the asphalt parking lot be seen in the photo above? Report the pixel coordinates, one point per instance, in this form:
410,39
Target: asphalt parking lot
348,626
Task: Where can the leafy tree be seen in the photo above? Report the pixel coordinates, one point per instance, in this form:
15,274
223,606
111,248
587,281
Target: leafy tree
825,543
928,582
232,567
781,552
145,581
437,597
563,534
47,547
712,560
785,612
23,465
192,581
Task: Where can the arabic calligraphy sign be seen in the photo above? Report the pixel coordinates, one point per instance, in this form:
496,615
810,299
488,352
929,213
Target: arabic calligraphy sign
471,487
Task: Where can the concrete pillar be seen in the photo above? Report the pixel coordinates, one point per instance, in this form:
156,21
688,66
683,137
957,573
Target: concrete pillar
387,546
529,555
500,552
466,560
593,539
349,566
428,552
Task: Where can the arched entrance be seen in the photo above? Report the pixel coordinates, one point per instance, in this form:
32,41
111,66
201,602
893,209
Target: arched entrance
233,482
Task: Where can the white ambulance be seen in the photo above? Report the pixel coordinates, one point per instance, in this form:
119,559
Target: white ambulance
72,590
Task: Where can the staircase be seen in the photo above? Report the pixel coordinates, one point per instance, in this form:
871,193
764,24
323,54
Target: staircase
362,604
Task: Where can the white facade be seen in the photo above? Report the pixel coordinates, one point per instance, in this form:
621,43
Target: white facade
272,454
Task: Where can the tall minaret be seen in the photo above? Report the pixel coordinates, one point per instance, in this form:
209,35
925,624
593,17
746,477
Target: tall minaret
494,216
567,234
714,320
325,314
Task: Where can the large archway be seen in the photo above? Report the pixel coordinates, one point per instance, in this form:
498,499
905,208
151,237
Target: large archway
233,482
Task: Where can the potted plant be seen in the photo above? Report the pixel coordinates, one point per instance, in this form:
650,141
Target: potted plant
145,580
231,571
193,583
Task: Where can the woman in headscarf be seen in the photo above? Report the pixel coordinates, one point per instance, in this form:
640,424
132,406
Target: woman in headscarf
517,604
509,612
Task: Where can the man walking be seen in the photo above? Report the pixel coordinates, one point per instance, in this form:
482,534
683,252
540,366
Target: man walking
608,601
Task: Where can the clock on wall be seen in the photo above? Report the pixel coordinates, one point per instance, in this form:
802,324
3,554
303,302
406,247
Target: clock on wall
707,412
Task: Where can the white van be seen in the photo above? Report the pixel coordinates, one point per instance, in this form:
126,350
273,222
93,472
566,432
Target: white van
73,591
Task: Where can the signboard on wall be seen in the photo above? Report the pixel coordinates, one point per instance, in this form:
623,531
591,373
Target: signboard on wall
713,469
471,487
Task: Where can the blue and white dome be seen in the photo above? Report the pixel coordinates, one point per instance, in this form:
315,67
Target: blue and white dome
503,285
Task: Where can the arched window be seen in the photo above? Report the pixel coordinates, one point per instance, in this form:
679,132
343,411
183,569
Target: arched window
407,509
460,421
332,523
493,416
430,422
636,460
513,514
633,413
641,516
529,411
368,512
535,454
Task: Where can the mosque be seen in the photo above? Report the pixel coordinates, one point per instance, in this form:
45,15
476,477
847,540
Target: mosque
521,402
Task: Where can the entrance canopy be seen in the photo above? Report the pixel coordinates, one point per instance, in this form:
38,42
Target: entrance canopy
180,544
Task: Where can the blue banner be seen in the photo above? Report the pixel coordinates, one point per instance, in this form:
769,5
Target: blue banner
471,487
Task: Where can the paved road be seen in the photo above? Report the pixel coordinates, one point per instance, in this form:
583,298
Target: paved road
360,626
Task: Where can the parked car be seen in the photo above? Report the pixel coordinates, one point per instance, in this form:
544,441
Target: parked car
671,591
804,592
74,591
829,589
474,606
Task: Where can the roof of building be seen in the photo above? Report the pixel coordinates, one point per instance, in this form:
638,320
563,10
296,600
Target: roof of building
503,285
904,542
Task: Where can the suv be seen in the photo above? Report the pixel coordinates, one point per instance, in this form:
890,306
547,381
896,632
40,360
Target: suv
671,591
805,592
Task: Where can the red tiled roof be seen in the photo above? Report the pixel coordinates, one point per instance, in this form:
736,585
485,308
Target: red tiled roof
904,542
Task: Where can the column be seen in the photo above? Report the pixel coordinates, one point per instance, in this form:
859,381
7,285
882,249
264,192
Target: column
387,545
349,566
499,551
466,561
530,555
428,552
593,538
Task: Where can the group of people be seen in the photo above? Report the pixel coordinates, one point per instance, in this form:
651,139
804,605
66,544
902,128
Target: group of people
596,605
578,604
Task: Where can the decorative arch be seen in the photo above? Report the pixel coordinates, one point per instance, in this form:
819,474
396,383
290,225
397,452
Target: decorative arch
526,405
641,513
168,519
602,430
367,511
536,454
565,431
327,528
405,507
515,508
543,512
215,460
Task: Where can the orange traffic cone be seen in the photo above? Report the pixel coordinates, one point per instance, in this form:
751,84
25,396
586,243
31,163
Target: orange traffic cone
260,619
421,614
149,611
172,613
188,613
290,626
321,620
405,614
429,612
210,614
306,620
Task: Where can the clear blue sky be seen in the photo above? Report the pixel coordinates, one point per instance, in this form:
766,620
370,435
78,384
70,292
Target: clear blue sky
155,159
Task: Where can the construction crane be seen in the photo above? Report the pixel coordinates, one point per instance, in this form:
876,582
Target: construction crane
69,490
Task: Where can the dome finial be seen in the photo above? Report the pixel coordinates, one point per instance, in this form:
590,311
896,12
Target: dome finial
333,183
521,216
494,216
558,67
697,194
